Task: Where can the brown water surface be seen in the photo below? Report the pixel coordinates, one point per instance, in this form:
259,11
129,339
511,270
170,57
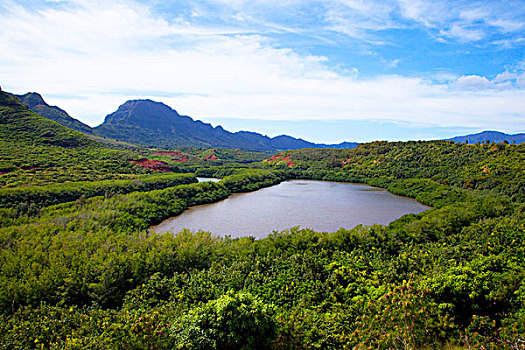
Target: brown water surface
320,205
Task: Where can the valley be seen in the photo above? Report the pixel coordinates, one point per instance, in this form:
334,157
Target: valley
81,269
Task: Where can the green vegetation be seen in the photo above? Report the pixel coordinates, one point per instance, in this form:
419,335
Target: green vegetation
43,196
199,160
251,180
81,270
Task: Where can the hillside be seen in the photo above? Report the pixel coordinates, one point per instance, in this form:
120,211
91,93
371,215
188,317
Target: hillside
490,136
35,150
153,123
497,168
36,103
27,127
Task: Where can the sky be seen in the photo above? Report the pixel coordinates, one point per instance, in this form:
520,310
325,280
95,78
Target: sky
325,71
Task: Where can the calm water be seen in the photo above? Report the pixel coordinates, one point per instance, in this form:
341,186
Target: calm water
320,205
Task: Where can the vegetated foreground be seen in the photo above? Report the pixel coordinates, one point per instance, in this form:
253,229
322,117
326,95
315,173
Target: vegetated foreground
80,270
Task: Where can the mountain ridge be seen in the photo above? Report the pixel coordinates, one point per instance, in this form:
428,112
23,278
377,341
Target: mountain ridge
35,102
152,123
491,136
156,124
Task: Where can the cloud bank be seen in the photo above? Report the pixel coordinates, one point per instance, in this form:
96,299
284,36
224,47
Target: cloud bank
90,56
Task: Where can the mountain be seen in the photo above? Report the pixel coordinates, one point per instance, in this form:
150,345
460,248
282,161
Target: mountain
36,103
342,145
491,136
153,123
156,124
287,142
22,127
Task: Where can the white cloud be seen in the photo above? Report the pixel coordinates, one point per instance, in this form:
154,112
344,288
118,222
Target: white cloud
463,33
503,81
429,13
102,53
359,18
391,63
473,83
466,21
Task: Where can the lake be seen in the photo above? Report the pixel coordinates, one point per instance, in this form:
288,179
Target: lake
319,205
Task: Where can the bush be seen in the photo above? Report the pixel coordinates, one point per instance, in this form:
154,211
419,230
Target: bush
233,321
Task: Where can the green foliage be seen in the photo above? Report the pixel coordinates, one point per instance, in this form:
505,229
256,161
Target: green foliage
93,252
495,169
233,321
49,327
251,180
35,150
405,317
43,196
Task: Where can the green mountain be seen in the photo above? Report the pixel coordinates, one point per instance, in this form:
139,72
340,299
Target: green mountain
156,124
26,127
36,103
491,136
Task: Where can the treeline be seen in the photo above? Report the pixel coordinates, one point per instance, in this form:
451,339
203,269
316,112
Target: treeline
43,196
220,172
251,180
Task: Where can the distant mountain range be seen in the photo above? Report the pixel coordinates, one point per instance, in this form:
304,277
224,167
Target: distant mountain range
491,136
155,124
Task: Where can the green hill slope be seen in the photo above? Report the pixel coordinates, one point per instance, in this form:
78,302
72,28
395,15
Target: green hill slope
36,103
497,168
36,150
24,126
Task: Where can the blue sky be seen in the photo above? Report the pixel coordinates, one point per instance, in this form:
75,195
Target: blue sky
325,71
